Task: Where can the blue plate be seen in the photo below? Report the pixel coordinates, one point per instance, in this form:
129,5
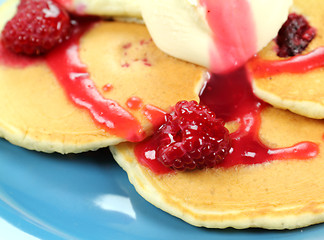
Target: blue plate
88,196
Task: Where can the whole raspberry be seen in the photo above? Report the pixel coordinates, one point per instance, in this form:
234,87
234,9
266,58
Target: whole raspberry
294,36
192,137
37,27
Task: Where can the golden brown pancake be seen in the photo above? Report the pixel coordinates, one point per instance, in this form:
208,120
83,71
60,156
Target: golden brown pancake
276,195
36,113
302,93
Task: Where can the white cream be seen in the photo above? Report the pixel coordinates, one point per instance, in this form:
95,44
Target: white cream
180,28
269,15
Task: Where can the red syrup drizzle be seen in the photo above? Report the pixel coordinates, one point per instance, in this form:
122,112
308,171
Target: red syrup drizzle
73,76
134,103
152,113
230,97
145,153
231,49
298,64
107,88
155,115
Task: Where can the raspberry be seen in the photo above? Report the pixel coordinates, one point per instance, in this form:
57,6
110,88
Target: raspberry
37,27
192,137
294,36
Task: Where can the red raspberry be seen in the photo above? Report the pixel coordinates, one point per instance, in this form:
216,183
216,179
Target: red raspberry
294,36
37,27
192,137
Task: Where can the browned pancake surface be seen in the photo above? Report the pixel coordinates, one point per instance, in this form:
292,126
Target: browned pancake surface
36,113
300,93
275,195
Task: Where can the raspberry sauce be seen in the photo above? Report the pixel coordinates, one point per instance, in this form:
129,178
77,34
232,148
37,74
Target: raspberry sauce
134,103
73,76
155,115
145,153
231,48
107,88
298,64
230,97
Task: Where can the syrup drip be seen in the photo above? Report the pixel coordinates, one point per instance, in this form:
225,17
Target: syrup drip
134,103
73,76
298,64
241,105
145,153
155,115
230,97
108,87
231,49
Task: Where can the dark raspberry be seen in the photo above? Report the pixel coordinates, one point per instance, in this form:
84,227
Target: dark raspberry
37,27
192,137
294,36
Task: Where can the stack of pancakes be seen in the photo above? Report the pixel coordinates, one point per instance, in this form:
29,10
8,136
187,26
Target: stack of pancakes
36,114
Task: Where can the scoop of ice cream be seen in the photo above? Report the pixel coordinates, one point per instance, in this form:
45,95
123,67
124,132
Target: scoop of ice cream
217,34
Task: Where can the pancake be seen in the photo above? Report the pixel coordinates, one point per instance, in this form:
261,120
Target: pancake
278,194
300,92
37,114
274,195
